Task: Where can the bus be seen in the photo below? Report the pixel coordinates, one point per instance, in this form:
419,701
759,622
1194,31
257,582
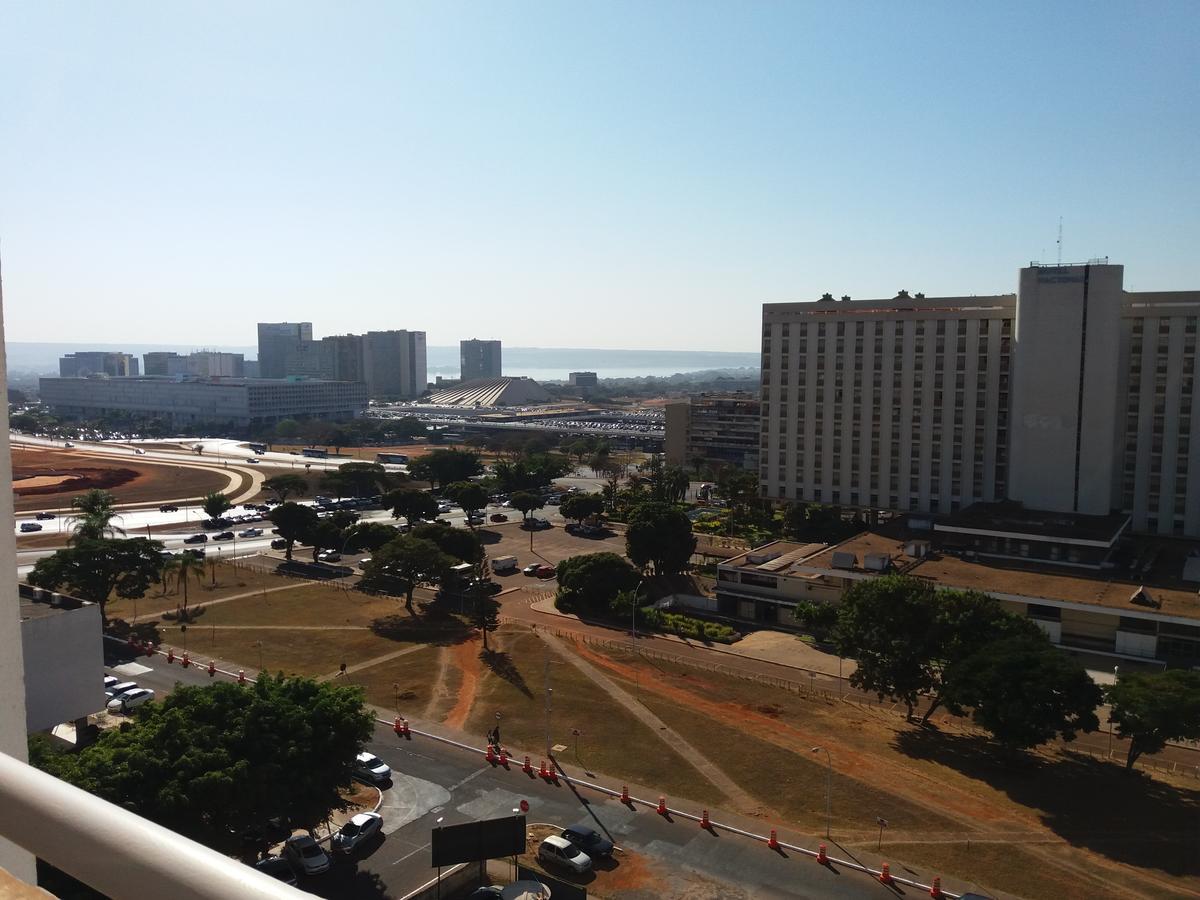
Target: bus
315,453
396,458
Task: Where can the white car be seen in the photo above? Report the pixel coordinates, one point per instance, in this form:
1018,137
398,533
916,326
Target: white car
444,507
139,451
558,851
306,855
250,532
130,700
329,556
110,682
117,688
370,767
357,831
252,461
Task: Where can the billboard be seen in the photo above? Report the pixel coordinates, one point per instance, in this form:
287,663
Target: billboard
489,839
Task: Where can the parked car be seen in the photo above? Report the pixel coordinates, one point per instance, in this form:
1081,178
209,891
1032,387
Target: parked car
306,854
498,517
531,569
475,520
545,572
43,516
279,544
487,892
121,687
589,840
362,563
360,829
277,867
558,851
130,700
250,532
223,536
370,767
196,539
329,556
110,682
168,507
30,526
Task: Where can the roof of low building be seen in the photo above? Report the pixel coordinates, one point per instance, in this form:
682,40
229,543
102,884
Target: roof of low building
492,392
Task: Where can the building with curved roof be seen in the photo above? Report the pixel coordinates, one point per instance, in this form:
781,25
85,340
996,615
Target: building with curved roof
492,392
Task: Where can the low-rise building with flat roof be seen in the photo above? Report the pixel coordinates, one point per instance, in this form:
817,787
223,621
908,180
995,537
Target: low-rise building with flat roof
228,401
63,647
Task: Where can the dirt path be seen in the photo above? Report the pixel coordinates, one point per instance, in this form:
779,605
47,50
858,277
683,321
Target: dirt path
439,693
744,803
466,657
206,603
373,661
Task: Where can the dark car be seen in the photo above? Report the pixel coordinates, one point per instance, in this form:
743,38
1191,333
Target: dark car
498,517
196,539
279,544
277,867
168,507
44,515
223,536
589,840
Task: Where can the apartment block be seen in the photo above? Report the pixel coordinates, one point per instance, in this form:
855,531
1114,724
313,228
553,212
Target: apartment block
1071,395
97,362
395,363
479,359
719,429
284,347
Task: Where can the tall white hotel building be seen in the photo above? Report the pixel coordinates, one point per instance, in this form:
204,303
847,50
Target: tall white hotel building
1072,395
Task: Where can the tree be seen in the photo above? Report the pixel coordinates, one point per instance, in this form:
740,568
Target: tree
525,502
740,488
813,523
324,535
470,496
1152,708
212,762
94,569
283,486
485,611
1025,692
405,563
660,535
413,505
287,429
363,479
445,466
464,546
369,536
215,505
94,512
819,618
184,566
590,582
294,522
582,506
334,483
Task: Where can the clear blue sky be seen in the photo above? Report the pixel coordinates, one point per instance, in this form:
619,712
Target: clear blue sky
616,174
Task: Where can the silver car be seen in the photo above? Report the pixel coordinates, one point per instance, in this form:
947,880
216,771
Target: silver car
558,851
370,767
306,855
130,700
357,832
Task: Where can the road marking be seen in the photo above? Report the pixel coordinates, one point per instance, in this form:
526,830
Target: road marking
470,777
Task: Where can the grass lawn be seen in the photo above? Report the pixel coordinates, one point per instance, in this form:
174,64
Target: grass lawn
315,652
230,581
612,741
308,603
415,674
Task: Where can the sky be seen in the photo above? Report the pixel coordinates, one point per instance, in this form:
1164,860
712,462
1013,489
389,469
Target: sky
615,175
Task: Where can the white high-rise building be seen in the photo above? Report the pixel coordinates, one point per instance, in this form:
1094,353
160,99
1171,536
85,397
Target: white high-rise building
1072,395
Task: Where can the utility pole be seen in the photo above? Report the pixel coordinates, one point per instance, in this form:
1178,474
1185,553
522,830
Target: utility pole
549,701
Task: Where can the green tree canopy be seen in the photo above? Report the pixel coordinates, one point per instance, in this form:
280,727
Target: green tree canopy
443,466
294,522
463,545
287,429
324,535
363,479
526,502
403,564
529,471
94,512
93,569
582,506
415,506
1152,708
470,496
215,505
369,536
214,761
813,523
284,486
660,535
1024,691
590,582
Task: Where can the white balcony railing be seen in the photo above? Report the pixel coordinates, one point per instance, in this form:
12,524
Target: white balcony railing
115,851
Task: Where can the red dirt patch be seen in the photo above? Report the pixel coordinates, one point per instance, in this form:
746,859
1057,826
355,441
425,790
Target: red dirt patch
466,658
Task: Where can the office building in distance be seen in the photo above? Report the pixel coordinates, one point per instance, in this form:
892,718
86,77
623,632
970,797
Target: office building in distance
391,363
238,402
204,363
1071,396
284,348
97,362
479,359
713,429
583,379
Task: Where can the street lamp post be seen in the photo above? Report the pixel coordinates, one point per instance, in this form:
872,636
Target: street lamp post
1116,674
828,788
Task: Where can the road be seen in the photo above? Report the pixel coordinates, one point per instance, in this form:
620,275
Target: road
439,781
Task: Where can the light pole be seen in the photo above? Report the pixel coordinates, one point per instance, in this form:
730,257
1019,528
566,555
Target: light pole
1116,674
549,703
828,788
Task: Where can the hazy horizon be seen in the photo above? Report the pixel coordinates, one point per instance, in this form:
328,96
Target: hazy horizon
621,175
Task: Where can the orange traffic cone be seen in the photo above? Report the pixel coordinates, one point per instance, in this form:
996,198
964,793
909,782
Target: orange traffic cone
704,823
527,768
503,757
491,754
171,655
543,772
662,806
885,874
773,841
212,668
625,794
821,857
185,662
935,889
241,676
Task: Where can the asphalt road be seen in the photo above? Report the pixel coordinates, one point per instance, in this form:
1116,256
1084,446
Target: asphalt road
435,780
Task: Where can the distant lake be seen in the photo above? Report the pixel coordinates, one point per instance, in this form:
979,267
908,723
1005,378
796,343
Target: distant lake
538,363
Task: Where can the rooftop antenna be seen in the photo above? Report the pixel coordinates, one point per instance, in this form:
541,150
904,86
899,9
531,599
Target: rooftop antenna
1060,240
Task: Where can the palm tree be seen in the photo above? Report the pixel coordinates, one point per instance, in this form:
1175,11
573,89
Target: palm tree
185,565
95,511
